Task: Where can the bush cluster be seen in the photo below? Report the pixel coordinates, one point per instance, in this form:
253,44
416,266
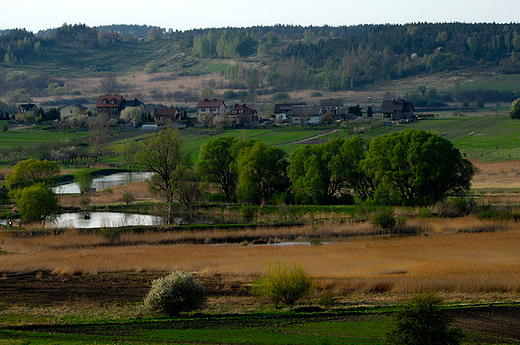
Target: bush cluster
176,293
284,284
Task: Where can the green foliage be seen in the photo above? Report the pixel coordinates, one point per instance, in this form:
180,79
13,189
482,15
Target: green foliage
217,164
515,109
385,220
261,173
455,207
422,321
36,202
31,171
284,284
84,180
5,127
128,197
416,168
152,67
176,293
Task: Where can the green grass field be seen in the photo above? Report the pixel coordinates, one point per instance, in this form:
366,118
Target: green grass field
14,138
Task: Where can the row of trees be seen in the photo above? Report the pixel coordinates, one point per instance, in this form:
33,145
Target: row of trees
406,168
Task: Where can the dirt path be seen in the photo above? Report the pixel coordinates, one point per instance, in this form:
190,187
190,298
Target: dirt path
312,140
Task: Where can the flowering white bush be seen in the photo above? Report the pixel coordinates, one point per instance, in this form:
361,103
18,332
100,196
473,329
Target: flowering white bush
175,293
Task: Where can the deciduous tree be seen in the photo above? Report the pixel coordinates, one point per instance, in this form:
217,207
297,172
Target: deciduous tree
161,153
31,171
515,109
217,164
36,202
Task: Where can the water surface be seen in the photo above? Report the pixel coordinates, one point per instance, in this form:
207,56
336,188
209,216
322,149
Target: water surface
118,179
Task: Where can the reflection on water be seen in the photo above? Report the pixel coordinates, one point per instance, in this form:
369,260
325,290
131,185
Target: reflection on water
118,179
103,219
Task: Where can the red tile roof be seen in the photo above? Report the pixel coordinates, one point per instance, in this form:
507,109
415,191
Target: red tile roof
242,107
106,101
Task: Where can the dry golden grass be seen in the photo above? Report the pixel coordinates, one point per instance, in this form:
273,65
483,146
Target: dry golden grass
138,189
485,262
497,175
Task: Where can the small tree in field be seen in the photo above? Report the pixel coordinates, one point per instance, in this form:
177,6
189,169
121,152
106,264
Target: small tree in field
36,202
84,181
422,321
284,284
128,198
176,293
385,220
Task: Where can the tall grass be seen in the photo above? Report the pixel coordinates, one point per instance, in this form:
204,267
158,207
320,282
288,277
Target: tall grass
488,261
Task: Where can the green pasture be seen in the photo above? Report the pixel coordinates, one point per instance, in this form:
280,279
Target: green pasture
34,136
499,82
488,138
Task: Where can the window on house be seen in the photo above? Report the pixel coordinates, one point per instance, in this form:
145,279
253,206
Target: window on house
104,101
112,102
203,110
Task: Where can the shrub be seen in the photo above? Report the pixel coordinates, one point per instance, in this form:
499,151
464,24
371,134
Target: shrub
84,202
456,207
385,220
422,321
284,284
128,197
36,202
176,293
112,234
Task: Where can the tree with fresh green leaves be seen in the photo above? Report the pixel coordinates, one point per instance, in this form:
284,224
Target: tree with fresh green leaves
132,115
316,172
422,320
31,171
84,180
415,167
161,154
515,109
129,151
186,186
36,202
262,172
218,165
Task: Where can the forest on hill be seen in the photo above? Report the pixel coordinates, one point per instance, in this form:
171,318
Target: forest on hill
262,58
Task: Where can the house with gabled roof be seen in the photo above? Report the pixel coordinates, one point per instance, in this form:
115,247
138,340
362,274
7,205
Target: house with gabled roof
397,109
243,115
112,105
282,109
109,106
305,115
67,111
331,105
172,114
214,107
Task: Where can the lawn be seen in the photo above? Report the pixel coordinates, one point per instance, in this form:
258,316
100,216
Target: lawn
26,138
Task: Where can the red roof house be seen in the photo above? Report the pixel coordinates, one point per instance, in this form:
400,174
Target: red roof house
214,106
243,115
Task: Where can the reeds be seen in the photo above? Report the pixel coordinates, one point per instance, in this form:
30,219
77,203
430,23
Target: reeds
454,258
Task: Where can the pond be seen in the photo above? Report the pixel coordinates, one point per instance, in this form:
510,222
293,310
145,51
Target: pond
85,220
118,179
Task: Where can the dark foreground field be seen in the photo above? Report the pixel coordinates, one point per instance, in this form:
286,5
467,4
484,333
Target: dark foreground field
356,323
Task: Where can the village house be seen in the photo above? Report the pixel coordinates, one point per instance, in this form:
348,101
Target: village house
242,115
305,115
214,107
112,105
397,109
23,109
67,111
169,114
334,106
282,109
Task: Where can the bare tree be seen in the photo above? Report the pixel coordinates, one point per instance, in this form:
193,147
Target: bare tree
109,84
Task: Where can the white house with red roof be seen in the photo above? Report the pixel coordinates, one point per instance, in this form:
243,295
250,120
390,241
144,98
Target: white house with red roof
243,115
214,106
